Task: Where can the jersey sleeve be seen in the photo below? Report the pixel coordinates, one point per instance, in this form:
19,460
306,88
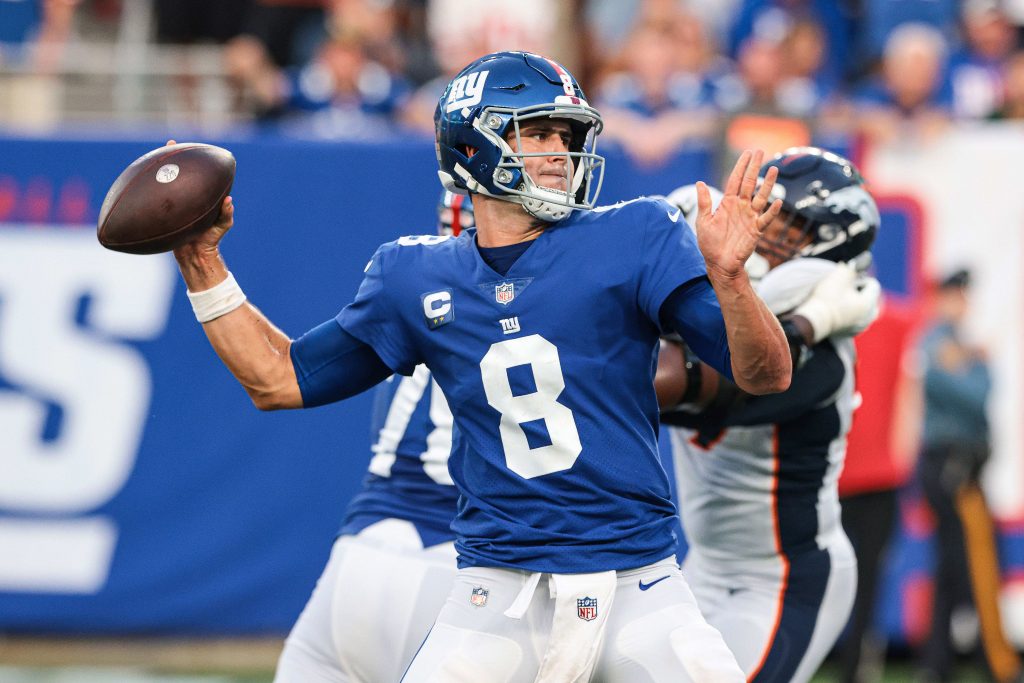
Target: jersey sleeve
374,319
692,310
669,255
331,365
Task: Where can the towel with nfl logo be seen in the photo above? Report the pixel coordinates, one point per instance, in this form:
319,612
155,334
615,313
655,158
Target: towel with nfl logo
582,605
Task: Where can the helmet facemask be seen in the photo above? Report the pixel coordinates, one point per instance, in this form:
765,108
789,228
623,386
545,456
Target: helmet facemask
584,168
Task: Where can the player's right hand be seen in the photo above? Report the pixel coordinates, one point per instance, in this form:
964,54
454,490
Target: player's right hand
207,241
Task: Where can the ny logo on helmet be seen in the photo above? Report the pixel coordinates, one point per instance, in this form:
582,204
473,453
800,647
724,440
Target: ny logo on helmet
466,91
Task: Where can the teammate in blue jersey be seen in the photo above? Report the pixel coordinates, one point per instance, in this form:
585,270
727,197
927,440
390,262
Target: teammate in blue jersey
541,327
394,562
768,560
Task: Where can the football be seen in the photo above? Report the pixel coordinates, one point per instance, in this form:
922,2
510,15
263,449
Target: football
165,198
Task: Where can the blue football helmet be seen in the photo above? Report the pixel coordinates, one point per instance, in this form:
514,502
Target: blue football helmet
454,213
823,195
486,104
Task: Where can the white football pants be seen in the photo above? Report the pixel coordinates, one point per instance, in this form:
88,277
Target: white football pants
782,617
654,631
371,608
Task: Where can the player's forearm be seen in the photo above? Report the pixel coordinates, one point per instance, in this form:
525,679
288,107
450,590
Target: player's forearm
760,356
253,349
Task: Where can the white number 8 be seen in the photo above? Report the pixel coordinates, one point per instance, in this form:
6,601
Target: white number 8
542,357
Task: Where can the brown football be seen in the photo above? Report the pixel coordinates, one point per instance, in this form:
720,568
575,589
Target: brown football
165,198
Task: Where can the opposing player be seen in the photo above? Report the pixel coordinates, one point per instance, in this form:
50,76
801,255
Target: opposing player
768,559
541,328
393,564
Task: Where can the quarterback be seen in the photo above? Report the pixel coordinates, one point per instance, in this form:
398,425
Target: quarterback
541,328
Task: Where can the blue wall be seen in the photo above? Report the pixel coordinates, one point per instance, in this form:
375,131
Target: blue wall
228,514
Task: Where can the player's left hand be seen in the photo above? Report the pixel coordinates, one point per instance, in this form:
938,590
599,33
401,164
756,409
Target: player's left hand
727,236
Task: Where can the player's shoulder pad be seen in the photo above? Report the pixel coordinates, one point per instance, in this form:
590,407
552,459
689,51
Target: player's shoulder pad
685,197
406,248
790,284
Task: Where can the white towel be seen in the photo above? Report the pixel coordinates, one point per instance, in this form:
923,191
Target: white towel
582,605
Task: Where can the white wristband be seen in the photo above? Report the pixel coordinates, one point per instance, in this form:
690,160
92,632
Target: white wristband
819,315
219,300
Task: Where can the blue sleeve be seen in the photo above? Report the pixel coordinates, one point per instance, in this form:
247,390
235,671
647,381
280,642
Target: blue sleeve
669,255
332,365
374,319
692,310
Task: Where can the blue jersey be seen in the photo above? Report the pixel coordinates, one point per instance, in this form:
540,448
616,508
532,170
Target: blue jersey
408,475
549,374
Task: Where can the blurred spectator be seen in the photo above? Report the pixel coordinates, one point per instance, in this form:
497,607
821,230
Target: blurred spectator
911,98
955,447
342,93
33,37
882,17
775,95
288,30
608,25
880,453
462,30
1013,95
661,97
374,23
772,20
34,32
978,71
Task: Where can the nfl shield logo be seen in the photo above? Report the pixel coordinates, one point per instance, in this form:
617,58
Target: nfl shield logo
479,596
505,292
586,608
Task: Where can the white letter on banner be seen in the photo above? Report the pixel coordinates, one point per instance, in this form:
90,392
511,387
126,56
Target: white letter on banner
102,387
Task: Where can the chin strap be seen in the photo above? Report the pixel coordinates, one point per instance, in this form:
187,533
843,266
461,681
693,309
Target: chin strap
545,211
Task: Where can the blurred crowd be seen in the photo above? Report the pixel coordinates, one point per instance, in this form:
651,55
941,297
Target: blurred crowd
663,72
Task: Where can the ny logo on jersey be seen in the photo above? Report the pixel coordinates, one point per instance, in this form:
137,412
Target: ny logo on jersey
509,325
438,308
505,292
466,91
586,608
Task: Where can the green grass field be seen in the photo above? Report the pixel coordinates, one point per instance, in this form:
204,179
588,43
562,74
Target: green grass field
68,660
894,673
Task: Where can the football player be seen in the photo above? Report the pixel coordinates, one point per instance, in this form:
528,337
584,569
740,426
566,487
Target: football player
393,564
768,559
394,561
541,327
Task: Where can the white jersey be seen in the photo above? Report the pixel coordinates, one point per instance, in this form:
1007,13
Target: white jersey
753,492
768,560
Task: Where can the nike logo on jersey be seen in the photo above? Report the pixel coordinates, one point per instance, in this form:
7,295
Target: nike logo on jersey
674,217
645,586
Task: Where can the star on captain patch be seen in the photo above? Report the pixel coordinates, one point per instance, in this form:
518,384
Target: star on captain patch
479,596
